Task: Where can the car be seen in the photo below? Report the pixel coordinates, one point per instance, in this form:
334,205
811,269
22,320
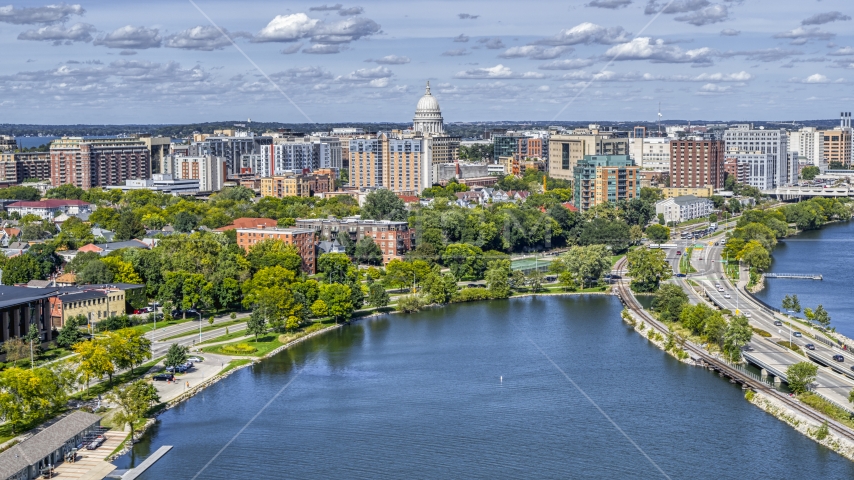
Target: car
148,309
778,323
97,442
195,359
809,346
178,369
717,285
717,243
721,289
681,275
726,295
797,334
838,358
678,252
163,377
177,313
747,314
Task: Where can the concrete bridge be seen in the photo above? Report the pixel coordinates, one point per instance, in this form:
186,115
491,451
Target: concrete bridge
797,193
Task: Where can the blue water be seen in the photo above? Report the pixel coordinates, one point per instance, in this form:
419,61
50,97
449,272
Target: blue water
29,142
830,252
421,396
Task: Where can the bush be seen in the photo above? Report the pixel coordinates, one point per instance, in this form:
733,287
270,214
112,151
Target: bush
472,295
761,333
239,349
314,327
409,303
822,431
748,395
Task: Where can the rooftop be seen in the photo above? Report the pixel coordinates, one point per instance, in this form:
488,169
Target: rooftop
11,296
49,204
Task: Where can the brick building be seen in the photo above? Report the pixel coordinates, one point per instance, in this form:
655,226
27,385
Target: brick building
21,166
21,307
98,162
697,163
301,238
295,185
393,238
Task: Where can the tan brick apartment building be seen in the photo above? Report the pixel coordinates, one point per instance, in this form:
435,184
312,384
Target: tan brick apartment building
303,239
17,167
88,163
295,185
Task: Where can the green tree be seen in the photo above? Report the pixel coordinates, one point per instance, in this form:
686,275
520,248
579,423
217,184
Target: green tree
821,317
801,375
30,395
465,261
20,193
338,298
22,269
658,233
409,303
587,264
648,268
95,361
15,349
755,255
133,403
94,273
384,205
270,253
669,302
796,304
715,329
810,172
498,278
70,333
368,252
787,303
257,323
737,335
66,191
129,226
176,355
567,281
185,222
128,348
337,267
377,296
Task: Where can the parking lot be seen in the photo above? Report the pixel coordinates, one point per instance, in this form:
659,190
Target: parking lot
200,372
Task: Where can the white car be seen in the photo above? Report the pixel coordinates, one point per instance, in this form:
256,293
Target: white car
726,295
747,314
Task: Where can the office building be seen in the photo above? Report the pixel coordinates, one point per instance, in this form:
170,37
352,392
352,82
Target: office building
697,163
745,138
97,162
22,166
736,169
208,170
231,146
393,238
302,239
292,184
759,168
567,149
684,208
158,147
604,178
836,144
649,153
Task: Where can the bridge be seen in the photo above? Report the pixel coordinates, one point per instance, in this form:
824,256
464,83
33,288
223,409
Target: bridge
797,193
796,276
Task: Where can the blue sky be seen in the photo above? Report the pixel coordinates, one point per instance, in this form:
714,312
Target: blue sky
598,60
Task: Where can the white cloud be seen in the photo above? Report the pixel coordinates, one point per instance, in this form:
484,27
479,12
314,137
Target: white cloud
607,76
457,52
657,51
291,49
706,16
302,73
801,35
287,28
536,52
299,26
711,88
391,60
39,15
816,78
496,72
79,32
610,4
322,49
842,52
587,33
714,77
571,64
822,18
130,37
206,38
377,77
675,6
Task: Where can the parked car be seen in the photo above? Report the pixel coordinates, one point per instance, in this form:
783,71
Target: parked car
797,334
178,369
195,359
810,346
839,358
163,377
778,323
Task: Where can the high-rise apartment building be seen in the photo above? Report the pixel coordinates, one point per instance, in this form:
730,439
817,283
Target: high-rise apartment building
398,164
736,169
96,162
808,143
605,178
230,146
208,170
567,149
836,146
21,166
745,138
758,168
697,163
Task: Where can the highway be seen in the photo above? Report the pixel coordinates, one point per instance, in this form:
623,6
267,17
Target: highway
834,382
190,329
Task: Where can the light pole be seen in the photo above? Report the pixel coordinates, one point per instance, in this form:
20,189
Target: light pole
200,323
155,315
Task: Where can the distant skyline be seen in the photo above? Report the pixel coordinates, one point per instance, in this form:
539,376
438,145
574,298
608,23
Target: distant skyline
158,62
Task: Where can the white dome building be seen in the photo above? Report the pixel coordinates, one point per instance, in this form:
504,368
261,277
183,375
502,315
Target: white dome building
428,116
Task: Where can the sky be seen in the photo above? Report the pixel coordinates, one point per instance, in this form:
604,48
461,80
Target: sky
185,61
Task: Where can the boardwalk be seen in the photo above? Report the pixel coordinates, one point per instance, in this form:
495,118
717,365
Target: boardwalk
795,276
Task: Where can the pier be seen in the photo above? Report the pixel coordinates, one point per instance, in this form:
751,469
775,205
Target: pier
795,276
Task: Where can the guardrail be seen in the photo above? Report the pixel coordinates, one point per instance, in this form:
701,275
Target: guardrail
760,301
843,407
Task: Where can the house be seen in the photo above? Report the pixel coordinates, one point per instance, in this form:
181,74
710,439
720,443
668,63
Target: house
686,207
107,235
106,248
330,247
48,209
66,280
9,235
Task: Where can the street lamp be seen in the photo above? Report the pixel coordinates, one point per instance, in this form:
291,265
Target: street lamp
200,323
155,315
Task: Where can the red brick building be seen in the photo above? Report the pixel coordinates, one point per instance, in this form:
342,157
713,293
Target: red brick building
697,163
301,238
98,162
393,238
736,169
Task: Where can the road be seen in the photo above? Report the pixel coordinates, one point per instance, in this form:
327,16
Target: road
834,381
159,344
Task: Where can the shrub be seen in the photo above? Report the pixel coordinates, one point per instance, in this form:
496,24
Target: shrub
472,295
314,327
409,303
822,431
748,395
239,349
761,333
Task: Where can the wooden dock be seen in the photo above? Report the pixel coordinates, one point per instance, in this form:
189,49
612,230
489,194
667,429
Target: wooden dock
135,472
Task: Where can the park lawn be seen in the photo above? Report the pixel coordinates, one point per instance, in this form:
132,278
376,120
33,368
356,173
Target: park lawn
270,341
149,327
120,379
205,329
234,364
223,338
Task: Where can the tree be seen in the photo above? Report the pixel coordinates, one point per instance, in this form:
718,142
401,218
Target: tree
21,269
384,205
134,401
377,296
32,337
810,172
648,267
409,303
270,253
498,278
796,304
257,323
30,395
715,329
185,222
66,191
336,266
658,233
465,261
20,193
176,355
95,272
319,309
587,264
737,335
15,349
821,317
669,302
122,271
368,252
713,217
787,303
338,298
128,348
801,375
95,361
755,255
567,281
129,226
70,333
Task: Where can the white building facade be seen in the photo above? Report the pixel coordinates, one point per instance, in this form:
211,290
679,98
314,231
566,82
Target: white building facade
652,153
684,208
744,138
207,169
808,143
428,116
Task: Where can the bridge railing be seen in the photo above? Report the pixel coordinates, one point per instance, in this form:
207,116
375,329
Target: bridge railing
746,291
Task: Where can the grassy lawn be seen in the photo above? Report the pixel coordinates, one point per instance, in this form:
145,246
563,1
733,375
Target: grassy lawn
732,271
791,346
149,327
223,338
270,341
234,364
125,377
41,358
205,329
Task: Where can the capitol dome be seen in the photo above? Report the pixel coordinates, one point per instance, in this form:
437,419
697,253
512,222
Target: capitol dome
428,116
